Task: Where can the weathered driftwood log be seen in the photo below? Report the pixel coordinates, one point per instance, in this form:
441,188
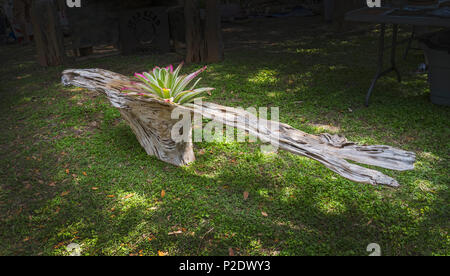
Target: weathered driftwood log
151,121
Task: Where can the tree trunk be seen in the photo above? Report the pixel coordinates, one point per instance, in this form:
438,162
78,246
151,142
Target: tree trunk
195,43
213,34
151,121
47,33
203,39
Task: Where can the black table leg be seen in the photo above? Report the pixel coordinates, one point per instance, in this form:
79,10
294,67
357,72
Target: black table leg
393,53
381,49
410,41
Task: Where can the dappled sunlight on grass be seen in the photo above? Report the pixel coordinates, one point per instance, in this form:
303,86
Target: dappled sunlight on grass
265,76
264,193
428,156
307,51
330,206
425,185
319,128
288,194
271,94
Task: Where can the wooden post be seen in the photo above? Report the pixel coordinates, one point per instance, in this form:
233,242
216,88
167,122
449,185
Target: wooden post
47,33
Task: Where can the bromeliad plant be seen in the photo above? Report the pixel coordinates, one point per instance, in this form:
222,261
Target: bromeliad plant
166,84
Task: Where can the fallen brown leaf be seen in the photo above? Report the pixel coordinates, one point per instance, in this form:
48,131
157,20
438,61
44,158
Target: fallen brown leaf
128,196
245,195
162,253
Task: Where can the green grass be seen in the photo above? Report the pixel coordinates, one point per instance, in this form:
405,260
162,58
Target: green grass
72,171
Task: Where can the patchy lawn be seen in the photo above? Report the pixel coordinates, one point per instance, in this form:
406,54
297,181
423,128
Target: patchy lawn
72,171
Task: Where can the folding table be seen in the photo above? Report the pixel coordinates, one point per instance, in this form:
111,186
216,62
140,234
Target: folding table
394,16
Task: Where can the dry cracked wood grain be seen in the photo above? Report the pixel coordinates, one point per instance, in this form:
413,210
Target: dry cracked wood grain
150,119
